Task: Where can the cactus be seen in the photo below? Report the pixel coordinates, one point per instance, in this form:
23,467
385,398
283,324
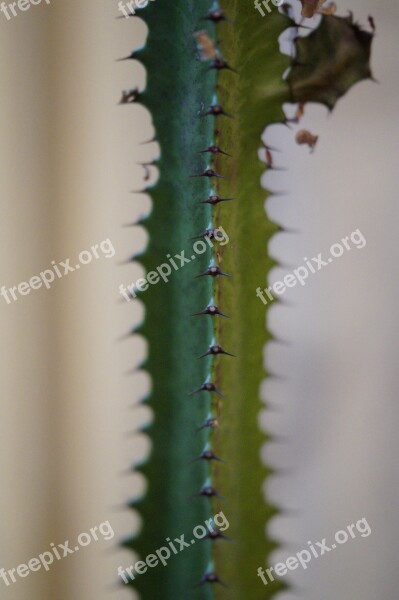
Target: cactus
215,82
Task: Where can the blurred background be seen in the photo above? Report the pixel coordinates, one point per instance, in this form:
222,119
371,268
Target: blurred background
69,389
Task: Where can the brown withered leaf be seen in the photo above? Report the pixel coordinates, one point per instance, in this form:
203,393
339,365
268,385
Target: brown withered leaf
305,137
312,7
205,45
309,7
300,111
329,61
331,9
268,157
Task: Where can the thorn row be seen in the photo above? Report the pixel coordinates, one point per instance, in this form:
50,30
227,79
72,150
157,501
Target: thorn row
215,110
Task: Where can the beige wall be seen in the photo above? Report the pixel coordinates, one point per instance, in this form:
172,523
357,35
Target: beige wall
68,159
